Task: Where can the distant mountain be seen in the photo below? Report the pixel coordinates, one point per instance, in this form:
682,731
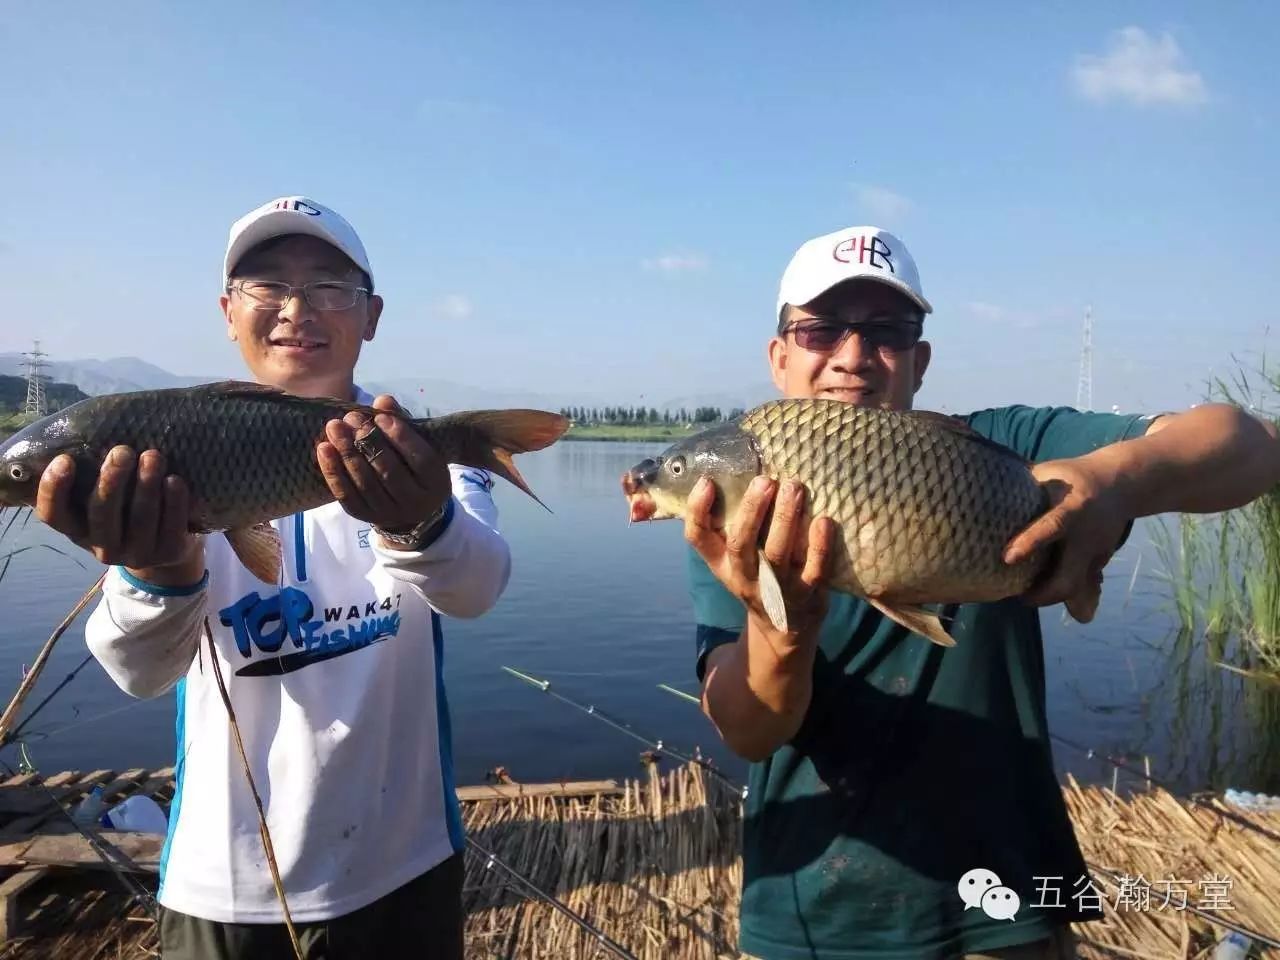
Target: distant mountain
13,394
125,374
117,375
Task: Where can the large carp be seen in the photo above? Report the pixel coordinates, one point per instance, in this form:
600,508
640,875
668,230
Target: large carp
246,451
924,506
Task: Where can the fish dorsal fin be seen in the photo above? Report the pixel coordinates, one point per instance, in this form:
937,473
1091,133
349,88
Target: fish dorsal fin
962,429
239,387
262,391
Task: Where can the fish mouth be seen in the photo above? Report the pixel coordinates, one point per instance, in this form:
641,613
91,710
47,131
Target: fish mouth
642,506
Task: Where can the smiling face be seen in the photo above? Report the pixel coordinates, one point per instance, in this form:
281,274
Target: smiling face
297,347
881,363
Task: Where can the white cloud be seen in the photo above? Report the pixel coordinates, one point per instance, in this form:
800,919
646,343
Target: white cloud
1141,69
453,307
676,262
884,206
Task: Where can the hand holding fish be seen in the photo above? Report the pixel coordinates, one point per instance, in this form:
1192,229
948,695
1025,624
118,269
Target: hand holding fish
798,559
136,515
1086,520
399,482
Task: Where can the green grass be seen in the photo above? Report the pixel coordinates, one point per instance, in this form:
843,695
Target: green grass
1224,570
11,423
634,433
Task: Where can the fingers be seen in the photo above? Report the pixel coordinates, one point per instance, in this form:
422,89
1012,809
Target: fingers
821,549
384,401
784,526
744,532
106,505
1046,529
333,457
53,498
171,531
699,530
139,537
417,472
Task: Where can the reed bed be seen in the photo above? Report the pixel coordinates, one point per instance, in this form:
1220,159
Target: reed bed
655,868
1153,854
653,865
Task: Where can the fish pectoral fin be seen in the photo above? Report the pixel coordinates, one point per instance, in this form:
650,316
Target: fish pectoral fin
259,548
917,619
771,593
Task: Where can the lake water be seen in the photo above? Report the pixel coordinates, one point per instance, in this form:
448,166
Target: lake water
600,609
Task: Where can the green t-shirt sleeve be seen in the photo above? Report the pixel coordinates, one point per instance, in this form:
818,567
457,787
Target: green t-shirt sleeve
1056,433
718,615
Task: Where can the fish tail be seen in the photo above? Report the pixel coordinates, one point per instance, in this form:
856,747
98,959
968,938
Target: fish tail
487,439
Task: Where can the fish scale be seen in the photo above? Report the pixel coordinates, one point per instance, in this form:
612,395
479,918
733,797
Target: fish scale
924,505
942,501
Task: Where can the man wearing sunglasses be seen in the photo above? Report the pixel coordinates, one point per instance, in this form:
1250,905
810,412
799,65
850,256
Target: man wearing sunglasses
893,781
336,672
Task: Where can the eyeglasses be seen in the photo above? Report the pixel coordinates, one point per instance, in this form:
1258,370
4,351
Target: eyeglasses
320,294
824,334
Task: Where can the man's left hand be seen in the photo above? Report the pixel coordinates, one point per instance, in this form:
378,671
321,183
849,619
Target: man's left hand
396,481
1086,519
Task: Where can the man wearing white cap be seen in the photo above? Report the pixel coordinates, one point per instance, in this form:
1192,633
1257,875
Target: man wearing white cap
335,674
890,776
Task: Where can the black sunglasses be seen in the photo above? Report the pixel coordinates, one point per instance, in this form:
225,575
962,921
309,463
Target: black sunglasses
822,334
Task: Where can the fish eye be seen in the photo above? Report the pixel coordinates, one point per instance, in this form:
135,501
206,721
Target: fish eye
18,472
677,466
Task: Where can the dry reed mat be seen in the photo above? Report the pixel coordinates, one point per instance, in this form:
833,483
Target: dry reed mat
1153,856
655,866
653,863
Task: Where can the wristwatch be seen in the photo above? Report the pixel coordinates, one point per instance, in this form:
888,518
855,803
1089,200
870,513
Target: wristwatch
416,537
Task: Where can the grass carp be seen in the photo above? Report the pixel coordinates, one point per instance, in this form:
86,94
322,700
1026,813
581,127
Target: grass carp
923,505
246,451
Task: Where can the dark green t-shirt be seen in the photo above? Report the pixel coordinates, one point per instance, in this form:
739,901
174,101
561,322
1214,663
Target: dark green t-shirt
914,765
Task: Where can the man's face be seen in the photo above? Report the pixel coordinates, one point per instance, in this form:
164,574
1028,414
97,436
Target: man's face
880,360
296,346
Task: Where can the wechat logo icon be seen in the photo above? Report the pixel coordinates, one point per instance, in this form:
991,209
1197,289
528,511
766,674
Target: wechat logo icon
981,888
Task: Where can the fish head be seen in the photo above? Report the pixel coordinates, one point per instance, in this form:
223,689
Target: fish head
26,454
659,488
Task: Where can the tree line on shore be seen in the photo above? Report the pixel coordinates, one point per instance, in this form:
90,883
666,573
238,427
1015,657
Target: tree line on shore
643,416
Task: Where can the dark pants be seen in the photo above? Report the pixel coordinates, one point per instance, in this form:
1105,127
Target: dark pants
423,918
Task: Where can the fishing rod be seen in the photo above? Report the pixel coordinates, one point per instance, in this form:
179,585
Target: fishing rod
17,732
492,859
1260,937
1211,917
1231,815
29,681
592,710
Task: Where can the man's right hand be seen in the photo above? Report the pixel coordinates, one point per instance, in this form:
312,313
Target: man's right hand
144,530
800,558
757,691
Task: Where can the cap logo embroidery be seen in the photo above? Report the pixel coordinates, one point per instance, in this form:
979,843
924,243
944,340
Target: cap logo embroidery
870,253
298,206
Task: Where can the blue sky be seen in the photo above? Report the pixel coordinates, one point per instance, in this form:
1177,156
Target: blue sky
563,193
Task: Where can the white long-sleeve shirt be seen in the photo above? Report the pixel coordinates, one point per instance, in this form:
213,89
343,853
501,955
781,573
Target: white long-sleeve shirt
336,680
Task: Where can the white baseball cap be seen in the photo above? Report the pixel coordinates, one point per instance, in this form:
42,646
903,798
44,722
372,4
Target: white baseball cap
854,252
291,215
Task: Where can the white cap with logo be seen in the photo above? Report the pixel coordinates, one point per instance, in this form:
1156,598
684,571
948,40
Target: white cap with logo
854,252
290,215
